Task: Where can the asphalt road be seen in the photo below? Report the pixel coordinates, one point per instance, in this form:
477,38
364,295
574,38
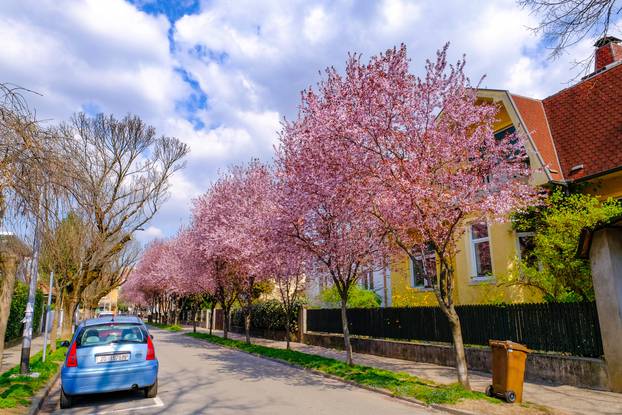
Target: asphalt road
200,378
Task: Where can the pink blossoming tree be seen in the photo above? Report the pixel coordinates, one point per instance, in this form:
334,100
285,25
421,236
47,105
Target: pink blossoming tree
283,260
424,152
322,201
229,222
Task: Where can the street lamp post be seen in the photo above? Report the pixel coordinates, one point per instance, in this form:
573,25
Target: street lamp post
47,316
24,366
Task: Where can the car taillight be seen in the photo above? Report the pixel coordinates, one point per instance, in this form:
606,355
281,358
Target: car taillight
72,357
150,349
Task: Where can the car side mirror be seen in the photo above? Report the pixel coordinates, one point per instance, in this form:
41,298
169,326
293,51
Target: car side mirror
64,343
151,335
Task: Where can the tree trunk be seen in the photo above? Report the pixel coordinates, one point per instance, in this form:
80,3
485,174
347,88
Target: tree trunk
212,318
54,329
225,323
69,309
461,363
247,325
194,321
346,332
288,335
8,267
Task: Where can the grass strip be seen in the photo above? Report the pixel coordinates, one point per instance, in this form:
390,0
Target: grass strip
19,390
169,327
398,383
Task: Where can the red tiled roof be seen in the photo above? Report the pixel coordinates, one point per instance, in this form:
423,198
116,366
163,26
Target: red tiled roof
533,115
585,121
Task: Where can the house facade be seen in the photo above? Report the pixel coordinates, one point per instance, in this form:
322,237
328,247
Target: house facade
378,281
109,301
573,137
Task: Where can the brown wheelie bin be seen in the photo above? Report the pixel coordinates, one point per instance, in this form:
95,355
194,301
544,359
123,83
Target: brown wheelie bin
508,370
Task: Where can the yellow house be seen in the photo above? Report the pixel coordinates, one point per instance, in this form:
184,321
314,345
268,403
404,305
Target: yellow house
109,301
573,137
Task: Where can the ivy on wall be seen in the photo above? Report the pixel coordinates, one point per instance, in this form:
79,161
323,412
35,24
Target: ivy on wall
14,329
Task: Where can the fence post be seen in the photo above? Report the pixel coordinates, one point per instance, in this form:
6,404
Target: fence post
302,323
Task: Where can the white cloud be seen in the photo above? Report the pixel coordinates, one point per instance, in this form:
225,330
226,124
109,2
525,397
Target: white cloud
107,53
149,233
251,59
318,26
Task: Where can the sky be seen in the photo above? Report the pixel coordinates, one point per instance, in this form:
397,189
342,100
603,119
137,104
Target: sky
222,75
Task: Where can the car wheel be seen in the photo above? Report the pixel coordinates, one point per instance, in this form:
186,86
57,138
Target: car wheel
151,391
65,400
489,391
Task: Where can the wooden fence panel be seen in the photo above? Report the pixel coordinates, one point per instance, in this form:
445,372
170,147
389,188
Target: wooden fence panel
555,327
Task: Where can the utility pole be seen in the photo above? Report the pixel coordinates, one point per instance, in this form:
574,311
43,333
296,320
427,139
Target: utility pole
47,316
30,306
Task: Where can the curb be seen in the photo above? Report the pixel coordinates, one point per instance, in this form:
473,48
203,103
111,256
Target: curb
39,398
385,392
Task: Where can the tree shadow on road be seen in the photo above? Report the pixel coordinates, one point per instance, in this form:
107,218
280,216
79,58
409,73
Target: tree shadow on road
253,368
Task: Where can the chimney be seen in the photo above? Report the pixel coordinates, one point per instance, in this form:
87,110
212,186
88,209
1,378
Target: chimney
608,51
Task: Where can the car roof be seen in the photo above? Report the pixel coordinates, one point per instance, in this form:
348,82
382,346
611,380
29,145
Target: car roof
111,319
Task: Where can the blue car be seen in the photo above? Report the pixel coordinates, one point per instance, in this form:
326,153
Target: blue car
109,354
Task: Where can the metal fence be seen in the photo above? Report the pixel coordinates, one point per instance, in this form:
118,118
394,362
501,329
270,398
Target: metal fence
555,327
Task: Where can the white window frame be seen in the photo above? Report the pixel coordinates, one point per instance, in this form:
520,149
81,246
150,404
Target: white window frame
431,255
475,278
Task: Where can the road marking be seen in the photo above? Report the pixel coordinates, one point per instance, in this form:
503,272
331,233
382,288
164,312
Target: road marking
157,403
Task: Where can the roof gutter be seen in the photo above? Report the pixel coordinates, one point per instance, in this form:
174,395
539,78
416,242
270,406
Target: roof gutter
595,175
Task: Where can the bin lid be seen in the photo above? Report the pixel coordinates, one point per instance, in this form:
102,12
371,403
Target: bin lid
509,344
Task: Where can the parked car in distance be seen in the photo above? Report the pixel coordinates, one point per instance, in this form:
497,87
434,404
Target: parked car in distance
105,314
109,354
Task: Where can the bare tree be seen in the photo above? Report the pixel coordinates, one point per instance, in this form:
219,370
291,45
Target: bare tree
565,23
115,273
23,168
62,252
119,176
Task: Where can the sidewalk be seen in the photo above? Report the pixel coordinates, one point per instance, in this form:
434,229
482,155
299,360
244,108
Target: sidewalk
12,356
565,398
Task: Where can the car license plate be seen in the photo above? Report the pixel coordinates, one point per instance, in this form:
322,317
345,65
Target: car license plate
117,357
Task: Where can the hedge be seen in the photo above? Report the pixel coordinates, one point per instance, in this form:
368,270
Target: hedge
268,315
14,328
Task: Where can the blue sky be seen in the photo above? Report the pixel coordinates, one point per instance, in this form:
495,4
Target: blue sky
220,75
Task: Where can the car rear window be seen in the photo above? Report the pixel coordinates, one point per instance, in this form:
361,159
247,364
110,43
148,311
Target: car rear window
107,333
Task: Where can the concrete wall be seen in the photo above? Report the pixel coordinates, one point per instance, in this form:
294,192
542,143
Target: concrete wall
547,368
606,261
265,333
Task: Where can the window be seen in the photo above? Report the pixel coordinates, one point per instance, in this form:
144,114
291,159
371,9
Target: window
423,268
103,334
525,247
480,250
501,134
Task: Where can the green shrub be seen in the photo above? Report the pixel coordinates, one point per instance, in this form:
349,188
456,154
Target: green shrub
552,266
14,326
357,298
